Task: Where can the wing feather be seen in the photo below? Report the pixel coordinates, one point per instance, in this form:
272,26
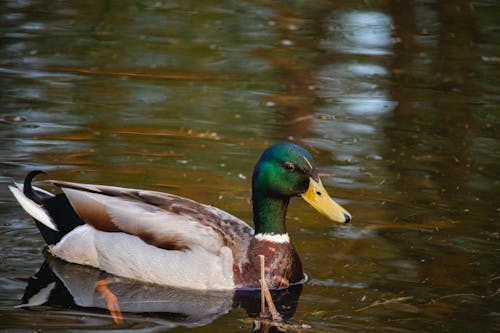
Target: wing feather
160,219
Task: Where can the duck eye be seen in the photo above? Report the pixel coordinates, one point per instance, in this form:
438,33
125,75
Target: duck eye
289,166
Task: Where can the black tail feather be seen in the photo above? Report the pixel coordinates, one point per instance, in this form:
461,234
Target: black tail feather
63,215
58,207
28,188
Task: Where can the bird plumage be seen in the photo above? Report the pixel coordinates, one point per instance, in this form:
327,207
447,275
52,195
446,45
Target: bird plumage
166,239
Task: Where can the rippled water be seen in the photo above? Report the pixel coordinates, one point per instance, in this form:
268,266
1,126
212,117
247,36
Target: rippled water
397,101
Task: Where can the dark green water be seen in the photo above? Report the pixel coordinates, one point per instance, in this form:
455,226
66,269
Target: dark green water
398,102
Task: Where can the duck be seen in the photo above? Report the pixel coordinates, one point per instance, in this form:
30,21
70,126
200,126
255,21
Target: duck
165,239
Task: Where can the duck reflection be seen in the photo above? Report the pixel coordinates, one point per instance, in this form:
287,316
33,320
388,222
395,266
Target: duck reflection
70,286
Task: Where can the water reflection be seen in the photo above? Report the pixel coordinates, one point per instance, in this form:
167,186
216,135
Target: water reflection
398,100
59,284
360,32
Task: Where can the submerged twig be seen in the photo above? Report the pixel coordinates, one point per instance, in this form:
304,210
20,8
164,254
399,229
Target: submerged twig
471,295
385,302
262,293
265,325
165,75
266,294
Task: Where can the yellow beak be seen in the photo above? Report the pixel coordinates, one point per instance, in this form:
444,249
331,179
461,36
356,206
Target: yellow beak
317,197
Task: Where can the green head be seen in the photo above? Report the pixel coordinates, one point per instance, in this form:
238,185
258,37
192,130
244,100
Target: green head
283,171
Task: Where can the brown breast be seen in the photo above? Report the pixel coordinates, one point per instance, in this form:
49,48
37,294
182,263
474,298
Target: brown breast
282,265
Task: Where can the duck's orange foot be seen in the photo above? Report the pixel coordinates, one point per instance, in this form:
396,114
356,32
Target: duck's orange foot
280,281
111,301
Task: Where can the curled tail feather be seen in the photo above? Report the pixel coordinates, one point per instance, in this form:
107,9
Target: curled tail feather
28,188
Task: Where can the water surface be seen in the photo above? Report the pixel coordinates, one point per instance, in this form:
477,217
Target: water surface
397,102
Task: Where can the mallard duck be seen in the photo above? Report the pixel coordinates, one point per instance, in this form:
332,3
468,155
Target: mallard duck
166,239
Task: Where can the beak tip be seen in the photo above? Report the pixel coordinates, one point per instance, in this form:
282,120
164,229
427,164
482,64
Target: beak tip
347,218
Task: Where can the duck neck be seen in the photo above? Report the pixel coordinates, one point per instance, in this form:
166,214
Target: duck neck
269,214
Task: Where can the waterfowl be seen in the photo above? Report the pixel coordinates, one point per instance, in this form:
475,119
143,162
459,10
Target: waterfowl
166,239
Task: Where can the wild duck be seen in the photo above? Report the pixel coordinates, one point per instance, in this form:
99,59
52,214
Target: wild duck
166,239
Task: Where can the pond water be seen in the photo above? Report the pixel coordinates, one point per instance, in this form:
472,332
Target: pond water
397,101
